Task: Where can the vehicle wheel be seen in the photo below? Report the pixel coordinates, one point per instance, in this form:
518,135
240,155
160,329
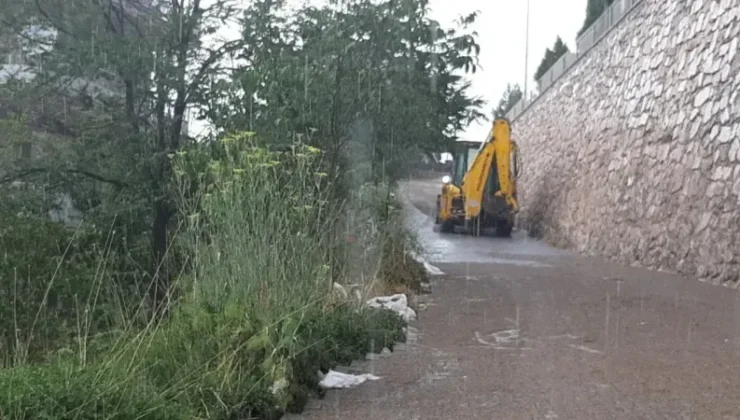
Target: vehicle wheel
503,229
436,216
447,226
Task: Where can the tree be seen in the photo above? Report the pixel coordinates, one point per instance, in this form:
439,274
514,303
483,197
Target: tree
142,65
594,9
364,74
551,57
510,97
363,80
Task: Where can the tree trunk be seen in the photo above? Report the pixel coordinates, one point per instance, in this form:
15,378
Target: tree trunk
160,245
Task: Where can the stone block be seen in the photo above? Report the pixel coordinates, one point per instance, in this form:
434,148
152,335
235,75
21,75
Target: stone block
644,130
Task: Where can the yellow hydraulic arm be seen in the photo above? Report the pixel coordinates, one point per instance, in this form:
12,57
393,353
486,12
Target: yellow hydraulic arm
500,145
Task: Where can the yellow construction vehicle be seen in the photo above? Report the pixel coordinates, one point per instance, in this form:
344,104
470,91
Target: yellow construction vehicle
481,192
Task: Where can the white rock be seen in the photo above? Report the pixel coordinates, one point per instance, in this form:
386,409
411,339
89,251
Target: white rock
658,89
732,50
707,112
697,163
704,222
725,75
703,96
694,130
721,173
724,116
396,303
734,148
725,135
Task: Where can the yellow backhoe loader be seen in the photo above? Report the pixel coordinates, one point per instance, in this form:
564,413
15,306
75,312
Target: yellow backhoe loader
481,192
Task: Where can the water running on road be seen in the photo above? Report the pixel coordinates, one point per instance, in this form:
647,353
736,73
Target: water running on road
463,248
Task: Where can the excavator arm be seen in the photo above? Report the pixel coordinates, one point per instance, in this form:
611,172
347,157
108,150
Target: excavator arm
496,153
482,191
505,152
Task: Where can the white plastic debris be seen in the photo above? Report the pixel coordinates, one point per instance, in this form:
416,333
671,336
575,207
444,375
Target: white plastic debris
339,380
341,291
396,303
431,270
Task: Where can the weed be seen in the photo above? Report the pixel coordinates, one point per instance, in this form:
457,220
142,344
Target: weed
252,320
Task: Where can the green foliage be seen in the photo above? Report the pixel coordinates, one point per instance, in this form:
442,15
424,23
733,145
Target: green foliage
51,283
363,81
254,322
64,391
366,72
551,57
594,9
202,364
245,234
260,216
510,97
113,94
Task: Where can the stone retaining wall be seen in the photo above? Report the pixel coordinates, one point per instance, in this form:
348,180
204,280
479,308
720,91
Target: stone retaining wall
634,154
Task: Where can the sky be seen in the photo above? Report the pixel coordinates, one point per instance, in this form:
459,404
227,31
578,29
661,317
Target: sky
501,27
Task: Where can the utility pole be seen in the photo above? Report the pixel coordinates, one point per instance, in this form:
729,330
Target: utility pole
526,55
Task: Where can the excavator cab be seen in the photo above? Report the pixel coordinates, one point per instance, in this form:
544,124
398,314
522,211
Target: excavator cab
450,204
481,191
463,159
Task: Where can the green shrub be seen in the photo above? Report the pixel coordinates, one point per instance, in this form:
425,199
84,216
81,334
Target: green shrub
253,321
46,277
59,285
61,391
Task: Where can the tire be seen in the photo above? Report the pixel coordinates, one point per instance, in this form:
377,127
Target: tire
436,216
503,229
447,226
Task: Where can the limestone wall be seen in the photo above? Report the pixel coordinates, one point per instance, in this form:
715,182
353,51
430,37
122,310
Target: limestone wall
634,154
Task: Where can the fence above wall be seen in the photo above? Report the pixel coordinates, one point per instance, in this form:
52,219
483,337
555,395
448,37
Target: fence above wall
584,43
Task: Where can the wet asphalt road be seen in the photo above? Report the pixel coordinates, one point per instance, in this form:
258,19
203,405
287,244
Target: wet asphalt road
516,329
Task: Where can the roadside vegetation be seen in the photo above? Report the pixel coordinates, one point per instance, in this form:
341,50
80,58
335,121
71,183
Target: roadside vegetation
152,272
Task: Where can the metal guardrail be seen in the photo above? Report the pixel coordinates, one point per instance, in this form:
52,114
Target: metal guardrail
558,69
584,43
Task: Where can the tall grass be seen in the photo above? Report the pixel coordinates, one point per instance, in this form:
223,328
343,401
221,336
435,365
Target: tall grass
259,227
252,318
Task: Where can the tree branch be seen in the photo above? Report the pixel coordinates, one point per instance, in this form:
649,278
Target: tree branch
7,179
46,16
32,171
213,57
96,177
